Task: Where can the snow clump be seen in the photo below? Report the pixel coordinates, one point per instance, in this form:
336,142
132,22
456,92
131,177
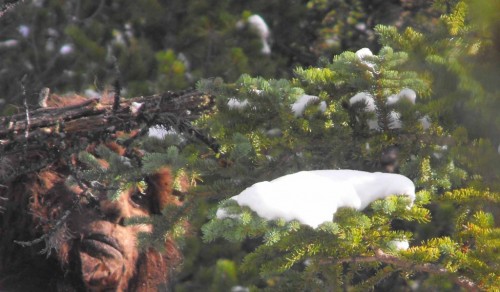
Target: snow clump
233,103
300,105
399,244
260,27
367,98
364,55
313,197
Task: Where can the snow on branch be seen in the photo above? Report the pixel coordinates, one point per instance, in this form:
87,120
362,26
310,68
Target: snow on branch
313,197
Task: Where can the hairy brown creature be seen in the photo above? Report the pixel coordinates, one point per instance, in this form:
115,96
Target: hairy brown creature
89,246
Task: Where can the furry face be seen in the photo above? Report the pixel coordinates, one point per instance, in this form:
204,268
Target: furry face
94,249
77,242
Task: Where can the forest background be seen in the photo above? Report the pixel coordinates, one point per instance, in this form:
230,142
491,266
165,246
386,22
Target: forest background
446,51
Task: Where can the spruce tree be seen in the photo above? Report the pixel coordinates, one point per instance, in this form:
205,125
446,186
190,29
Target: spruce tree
370,110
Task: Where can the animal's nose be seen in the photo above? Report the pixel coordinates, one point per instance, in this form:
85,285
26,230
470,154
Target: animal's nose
113,212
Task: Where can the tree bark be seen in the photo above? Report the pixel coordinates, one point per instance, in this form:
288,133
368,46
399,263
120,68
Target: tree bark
32,140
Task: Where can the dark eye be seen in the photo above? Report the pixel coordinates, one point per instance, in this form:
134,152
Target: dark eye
139,199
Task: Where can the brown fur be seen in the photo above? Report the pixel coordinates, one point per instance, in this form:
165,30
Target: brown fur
93,250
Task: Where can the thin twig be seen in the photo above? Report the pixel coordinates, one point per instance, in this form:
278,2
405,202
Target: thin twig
381,256
7,7
28,123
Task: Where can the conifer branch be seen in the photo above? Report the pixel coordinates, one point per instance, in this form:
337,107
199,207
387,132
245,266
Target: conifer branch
381,256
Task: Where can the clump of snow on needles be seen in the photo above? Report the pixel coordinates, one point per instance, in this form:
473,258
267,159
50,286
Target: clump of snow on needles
366,57
404,94
365,97
300,105
399,244
313,197
233,103
260,27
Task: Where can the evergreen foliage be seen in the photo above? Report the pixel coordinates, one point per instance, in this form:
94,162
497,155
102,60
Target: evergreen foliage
111,173
445,142
358,249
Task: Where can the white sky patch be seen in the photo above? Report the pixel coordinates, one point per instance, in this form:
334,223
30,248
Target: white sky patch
233,103
313,197
300,105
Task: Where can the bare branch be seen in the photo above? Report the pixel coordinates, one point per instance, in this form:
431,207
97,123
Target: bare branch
56,132
9,6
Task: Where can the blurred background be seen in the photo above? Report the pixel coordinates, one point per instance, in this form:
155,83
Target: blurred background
153,46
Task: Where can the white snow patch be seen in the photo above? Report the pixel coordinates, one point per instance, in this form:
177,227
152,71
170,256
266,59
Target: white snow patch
135,107
425,122
257,91
66,49
160,132
239,289
364,55
233,103
395,120
222,213
300,105
91,93
440,150
274,132
260,27
399,244
313,197
407,93
373,124
258,24
365,97
24,30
